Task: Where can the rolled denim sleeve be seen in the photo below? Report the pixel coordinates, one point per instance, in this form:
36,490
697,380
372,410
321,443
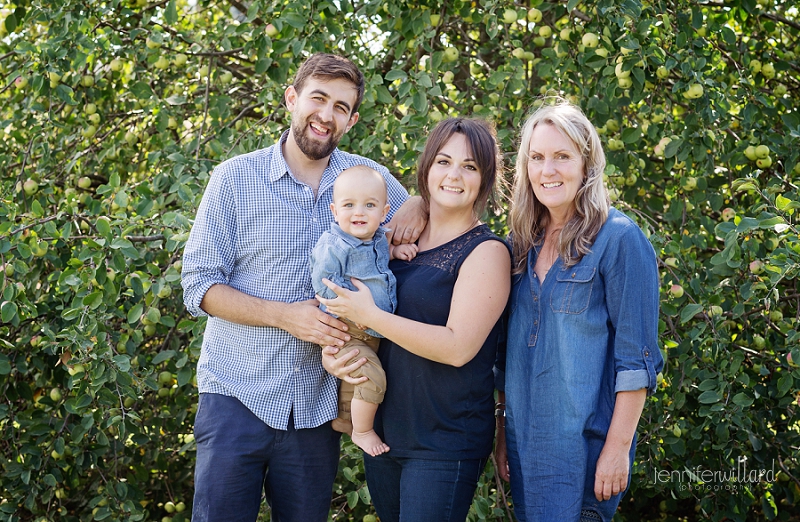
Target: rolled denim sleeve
210,253
327,261
632,285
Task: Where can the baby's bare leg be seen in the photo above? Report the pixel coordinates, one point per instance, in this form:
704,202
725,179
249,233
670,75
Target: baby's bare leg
362,413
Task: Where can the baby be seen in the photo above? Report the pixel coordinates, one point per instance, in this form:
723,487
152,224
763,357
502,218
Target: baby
356,246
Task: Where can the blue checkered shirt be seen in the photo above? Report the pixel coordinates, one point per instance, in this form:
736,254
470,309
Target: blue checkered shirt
255,229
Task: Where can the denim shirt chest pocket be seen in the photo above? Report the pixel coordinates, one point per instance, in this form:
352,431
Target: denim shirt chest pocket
572,290
361,262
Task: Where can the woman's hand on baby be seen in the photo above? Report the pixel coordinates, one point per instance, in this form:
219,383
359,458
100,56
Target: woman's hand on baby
340,367
354,305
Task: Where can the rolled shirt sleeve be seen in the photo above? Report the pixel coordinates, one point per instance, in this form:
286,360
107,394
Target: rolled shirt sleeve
327,261
210,252
632,294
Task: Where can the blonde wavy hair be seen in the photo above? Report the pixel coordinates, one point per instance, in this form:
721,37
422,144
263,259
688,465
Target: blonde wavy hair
528,218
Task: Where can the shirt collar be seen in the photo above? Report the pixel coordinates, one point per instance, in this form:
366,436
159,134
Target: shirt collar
352,240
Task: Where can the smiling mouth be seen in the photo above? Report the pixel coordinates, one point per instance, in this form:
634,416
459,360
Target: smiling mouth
452,189
552,185
318,129
358,223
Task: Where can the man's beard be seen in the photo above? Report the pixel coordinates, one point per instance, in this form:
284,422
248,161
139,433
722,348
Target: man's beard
314,149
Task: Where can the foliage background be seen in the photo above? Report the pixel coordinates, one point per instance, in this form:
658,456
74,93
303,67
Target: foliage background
97,353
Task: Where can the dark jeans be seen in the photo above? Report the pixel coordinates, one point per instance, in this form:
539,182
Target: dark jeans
416,490
237,454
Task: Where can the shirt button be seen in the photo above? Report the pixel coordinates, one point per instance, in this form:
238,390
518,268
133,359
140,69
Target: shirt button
296,368
646,353
535,323
535,298
573,275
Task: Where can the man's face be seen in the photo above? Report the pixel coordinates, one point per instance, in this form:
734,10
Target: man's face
321,114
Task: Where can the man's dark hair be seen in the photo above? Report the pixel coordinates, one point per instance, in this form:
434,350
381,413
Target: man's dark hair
331,67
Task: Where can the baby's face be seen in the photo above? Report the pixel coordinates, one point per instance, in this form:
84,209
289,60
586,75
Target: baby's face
359,204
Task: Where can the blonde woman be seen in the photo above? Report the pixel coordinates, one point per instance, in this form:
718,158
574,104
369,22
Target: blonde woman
582,350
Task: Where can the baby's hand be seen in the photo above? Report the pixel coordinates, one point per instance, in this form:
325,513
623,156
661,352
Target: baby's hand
406,251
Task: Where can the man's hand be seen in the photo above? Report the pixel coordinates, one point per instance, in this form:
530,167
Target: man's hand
408,222
307,322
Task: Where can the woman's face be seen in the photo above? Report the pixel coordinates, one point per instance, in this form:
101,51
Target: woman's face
454,180
555,170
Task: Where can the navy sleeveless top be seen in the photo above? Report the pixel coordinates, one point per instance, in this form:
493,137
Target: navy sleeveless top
433,410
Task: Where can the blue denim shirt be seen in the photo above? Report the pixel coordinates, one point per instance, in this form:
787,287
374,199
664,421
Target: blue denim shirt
574,341
338,256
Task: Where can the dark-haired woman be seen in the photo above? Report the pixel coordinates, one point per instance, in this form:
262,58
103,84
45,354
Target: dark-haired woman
439,347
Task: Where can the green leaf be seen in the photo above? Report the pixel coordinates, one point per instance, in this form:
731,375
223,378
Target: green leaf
176,99
631,135
142,91
5,365
689,311
171,13
7,311
396,74
743,400
185,375
135,313
163,356
709,397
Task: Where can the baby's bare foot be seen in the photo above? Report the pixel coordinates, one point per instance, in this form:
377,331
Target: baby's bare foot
369,442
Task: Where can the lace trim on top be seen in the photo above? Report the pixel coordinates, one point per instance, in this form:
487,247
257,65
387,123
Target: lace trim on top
448,256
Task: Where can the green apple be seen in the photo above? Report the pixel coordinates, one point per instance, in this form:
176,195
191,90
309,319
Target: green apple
764,163
750,153
790,360
369,518
620,72
715,311
565,33
89,109
776,316
762,151
152,44
676,430
590,40
115,65
510,16
55,395
94,119
87,80
203,71
662,72
89,131
9,270
689,183
165,378
676,291
162,63
758,341
180,507
172,123
518,52
757,266
694,91
624,83
545,31
534,15
796,169
450,54
84,182
768,70
671,262
180,59
780,89
30,187
601,51
755,66
539,41
131,138
448,77
271,30
169,507
386,147
728,214
165,292
435,19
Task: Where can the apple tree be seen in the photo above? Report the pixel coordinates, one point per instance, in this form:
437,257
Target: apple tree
114,113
